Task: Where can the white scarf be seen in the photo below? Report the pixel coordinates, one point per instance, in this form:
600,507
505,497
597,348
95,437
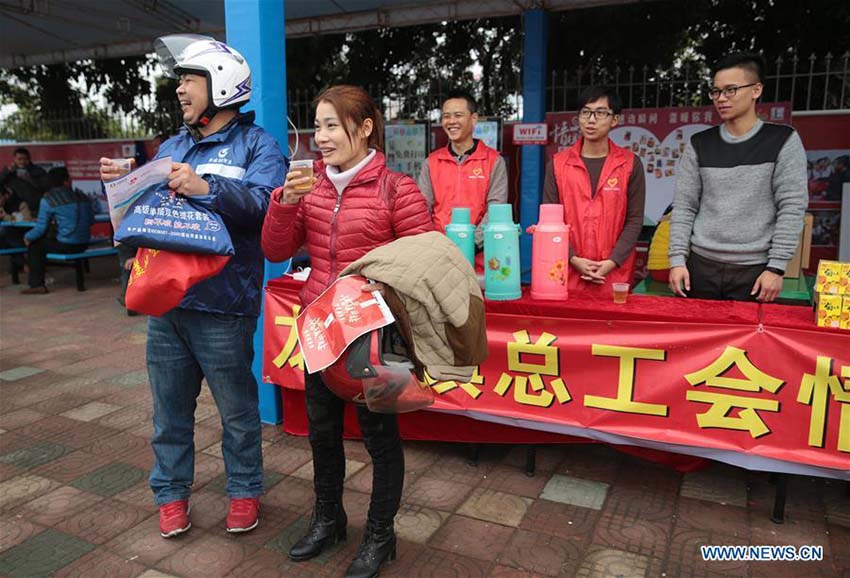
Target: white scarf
339,179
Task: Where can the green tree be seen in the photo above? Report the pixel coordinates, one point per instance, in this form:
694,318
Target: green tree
410,69
58,100
677,40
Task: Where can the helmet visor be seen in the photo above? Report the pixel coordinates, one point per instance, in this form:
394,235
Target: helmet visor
395,389
169,50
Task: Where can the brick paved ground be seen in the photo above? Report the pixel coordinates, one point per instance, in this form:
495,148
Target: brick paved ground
74,456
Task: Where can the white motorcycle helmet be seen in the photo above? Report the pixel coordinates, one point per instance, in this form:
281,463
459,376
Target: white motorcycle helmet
227,72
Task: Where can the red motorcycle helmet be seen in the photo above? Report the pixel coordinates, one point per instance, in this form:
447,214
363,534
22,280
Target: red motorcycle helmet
376,370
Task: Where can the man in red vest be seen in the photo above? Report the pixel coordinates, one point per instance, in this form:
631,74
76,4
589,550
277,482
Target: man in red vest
466,173
602,189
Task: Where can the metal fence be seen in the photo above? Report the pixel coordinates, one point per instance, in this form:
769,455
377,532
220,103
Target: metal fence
422,103
809,83
57,125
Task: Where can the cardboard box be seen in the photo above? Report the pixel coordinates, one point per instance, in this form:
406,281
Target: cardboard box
829,310
800,260
844,280
828,280
845,313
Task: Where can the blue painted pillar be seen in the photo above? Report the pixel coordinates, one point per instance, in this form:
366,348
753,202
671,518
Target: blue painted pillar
534,46
256,28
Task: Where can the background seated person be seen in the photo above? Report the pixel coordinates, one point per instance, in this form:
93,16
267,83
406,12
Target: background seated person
27,181
12,237
72,213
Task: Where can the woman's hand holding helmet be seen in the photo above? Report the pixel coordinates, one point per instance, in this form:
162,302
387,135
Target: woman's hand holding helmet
374,286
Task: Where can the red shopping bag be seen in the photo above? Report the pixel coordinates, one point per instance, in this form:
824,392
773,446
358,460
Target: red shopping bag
159,279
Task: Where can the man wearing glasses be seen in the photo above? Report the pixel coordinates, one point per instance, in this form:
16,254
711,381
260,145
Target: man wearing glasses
602,189
740,196
466,173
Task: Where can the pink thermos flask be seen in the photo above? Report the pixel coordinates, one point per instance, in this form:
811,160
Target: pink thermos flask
550,254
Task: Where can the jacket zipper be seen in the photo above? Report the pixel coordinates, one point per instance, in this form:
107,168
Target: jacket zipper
458,174
603,177
333,234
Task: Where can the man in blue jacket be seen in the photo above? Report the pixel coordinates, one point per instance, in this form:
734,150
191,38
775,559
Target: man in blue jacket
224,161
72,212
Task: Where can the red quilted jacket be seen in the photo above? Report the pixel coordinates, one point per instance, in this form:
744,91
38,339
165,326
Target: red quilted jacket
377,207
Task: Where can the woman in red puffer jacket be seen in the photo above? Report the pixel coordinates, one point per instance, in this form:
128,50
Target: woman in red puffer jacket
355,205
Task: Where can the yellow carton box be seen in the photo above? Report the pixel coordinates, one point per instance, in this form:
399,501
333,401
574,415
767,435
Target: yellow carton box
829,310
828,280
845,312
844,280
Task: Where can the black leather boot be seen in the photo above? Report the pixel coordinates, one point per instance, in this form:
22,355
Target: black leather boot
327,527
378,547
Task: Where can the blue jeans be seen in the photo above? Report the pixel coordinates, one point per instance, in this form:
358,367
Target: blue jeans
183,347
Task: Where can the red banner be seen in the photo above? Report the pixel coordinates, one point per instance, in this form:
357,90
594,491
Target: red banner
739,391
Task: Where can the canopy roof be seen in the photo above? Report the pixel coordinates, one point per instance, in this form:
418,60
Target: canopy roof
49,31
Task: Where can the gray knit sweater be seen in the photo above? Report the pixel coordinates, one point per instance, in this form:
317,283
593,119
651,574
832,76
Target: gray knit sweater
740,200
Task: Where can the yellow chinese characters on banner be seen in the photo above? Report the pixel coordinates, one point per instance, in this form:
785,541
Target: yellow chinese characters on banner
815,391
287,353
469,387
539,396
140,266
624,402
755,380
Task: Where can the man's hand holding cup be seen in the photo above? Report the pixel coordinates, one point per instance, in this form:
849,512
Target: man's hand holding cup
111,169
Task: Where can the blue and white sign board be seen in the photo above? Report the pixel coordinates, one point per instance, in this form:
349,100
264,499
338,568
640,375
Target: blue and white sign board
406,146
489,130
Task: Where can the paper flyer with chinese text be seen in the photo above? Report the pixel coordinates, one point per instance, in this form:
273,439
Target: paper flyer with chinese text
336,318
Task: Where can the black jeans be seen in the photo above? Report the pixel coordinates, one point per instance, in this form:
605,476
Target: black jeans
380,433
37,255
715,280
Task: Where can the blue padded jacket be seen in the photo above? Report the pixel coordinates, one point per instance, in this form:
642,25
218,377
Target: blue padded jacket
242,164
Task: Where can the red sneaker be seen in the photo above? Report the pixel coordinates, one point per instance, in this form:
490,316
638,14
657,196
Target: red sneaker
174,518
243,515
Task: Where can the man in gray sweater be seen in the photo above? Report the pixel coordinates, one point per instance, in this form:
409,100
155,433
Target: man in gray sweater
740,196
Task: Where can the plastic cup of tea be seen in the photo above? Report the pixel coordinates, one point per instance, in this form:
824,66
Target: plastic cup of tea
621,290
304,168
123,165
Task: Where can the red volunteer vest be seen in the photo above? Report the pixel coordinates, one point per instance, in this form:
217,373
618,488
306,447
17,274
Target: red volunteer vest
595,221
461,185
